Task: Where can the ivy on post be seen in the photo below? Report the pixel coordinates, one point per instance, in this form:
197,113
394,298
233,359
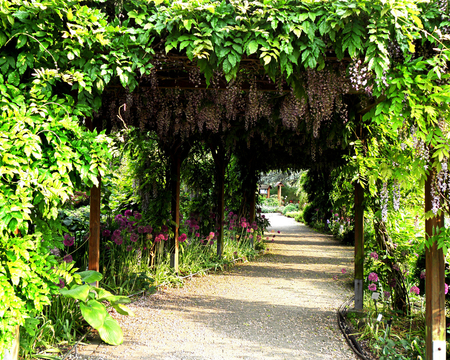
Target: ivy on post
359,245
434,283
94,215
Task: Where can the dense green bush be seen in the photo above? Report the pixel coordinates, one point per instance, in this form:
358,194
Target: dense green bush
290,208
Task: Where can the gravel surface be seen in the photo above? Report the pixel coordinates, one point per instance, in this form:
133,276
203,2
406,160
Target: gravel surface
281,306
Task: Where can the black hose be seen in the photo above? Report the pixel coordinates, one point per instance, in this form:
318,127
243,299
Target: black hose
347,330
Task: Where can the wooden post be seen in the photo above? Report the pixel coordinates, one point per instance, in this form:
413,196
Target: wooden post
220,166
434,286
268,192
175,186
359,246
94,217
279,194
94,227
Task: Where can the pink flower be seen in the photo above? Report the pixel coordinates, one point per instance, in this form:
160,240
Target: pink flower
387,294
372,287
196,227
69,241
446,289
373,277
197,234
134,237
414,289
422,275
374,255
344,271
211,235
182,238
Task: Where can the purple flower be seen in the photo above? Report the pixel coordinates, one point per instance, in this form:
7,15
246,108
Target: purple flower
446,289
66,236
148,229
118,240
182,238
374,255
68,258
106,233
141,229
372,287
61,283
373,277
129,248
134,237
118,217
387,294
211,235
343,271
164,228
116,233
128,213
138,216
197,234
414,289
69,242
279,232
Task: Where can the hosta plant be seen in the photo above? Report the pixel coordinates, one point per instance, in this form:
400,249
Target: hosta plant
91,299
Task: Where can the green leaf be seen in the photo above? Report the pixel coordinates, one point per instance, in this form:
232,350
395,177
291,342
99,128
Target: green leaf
21,41
94,313
110,332
267,59
90,276
227,66
78,292
252,47
123,310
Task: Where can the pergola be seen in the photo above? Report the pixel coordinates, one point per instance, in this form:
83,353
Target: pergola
245,55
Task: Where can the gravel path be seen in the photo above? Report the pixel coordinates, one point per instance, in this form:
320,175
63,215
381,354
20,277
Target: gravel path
281,306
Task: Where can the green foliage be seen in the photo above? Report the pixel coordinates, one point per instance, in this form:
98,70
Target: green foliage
290,208
90,300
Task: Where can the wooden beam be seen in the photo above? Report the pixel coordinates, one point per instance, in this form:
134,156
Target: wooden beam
279,195
359,245
434,286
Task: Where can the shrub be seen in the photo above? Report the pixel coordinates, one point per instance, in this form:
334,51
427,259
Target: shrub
309,214
290,208
299,217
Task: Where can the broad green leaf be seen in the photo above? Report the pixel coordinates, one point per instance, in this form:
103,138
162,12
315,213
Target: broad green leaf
252,47
90,276
123,310
110,332
94,313
78,292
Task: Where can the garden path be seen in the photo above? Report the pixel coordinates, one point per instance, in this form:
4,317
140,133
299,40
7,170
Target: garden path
280,306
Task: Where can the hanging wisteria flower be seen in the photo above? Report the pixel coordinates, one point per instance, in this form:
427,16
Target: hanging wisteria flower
373,277
182,238
372,287
414,289
374,255
68,258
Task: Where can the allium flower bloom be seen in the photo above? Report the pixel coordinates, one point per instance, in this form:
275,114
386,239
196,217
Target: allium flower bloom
128,213
138,216
106,233
387,294
118,217
374,255
373,277
197,234
164,228
61,283
69,241
134,237
344,271
414,289
118,240
141,229
68,258
148,229
182,238
129,248
372,287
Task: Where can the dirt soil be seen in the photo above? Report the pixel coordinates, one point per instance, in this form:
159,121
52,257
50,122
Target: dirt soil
280,306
